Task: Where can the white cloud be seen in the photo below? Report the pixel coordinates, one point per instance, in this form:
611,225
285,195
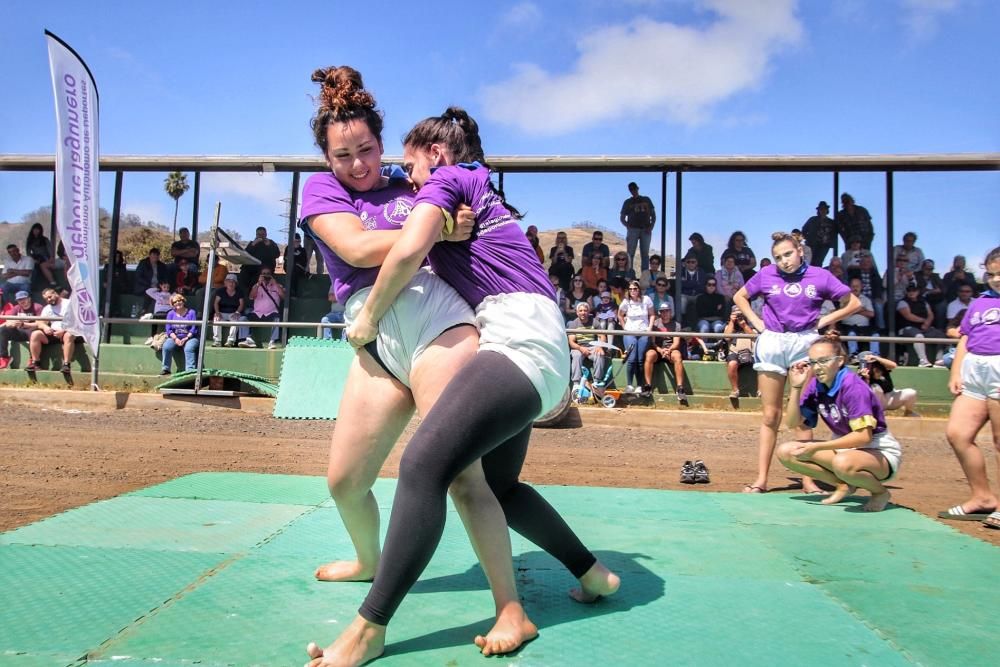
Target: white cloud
268,188
151,211
921,17
649,69
523,15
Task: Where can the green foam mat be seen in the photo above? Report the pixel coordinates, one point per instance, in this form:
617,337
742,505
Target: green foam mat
313,373
250,383
216,569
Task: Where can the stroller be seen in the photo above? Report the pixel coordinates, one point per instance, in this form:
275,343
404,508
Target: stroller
599,390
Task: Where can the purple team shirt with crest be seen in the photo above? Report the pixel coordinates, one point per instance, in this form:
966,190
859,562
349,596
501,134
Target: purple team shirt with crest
383,209
791,306
498,259
849,398
982,325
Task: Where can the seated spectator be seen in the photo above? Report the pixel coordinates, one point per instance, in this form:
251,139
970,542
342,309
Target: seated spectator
739,350
49,332
620,268
602,287
120,281
185,278
745,259
531,233
729,279
184,247
160,298
851,257
16,330
877,372
559,293
150,272
578,293
710,309
581,352
606,312
182,332
562,269
649,276
914,255
932,291
635,315
594,272
837,269
219,274
963,298
916,320
666,349
952,330
871,286
901,276
807,252
228,304
692,284
662,294
335,316
619,290
16,276
39,248
860,323
703,252
561,247
957,277
595,247
266,294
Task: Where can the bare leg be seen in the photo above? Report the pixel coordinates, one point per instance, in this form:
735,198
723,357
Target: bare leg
860,468
46,269
732,370
678,360
772,389
69,347
652,356
809,468
966,419
35,344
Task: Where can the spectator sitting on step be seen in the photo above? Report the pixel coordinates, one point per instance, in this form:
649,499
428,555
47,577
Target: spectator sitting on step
16,276
150,272
563,248
710,309
648,278
703,252
662,294
595,301
953,331
595,247
16,330
860,323
335,316
916,320
619,290
182,332
620,268
692,284
562,269
606,312
739,350
267,295
49,332
746,260
914,255
964,296
728,279
851,257
594,272
228,304
581,353
576,294
667,349
877,372
956,277
185,277
160,298
39,248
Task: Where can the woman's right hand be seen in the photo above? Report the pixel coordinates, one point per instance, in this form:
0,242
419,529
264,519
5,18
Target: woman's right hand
799,374
955,386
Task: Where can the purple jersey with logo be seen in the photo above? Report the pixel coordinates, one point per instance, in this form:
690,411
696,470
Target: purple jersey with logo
498,259
791,306
849,405
383,209
982,324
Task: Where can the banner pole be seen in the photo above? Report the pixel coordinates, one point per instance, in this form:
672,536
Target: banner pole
213,243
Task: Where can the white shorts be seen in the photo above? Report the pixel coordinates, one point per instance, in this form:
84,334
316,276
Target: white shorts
981,376
426,308
529,330
889,447
776,352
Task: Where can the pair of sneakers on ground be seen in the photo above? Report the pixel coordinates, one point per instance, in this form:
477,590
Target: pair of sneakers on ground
33,365
694,472
245,343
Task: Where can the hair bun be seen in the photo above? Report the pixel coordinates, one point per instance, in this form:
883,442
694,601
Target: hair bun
342,88
779,236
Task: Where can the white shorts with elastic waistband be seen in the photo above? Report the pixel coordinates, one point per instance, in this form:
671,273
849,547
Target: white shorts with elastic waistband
424,309
529,330
981,376
889,447
776,352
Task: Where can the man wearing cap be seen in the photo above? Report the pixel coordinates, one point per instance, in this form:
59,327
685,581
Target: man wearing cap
638,216
16,274
228,303
820,233
16,330
580,350
666,349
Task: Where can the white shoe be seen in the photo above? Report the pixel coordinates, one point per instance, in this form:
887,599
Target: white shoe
248,342
629,389
272,345
149,341
924,364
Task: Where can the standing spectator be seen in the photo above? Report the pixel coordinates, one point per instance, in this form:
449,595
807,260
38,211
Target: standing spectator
703,251
635,315
563,247
39,248
956,277
667,349
851,257
638,216
265,250
859,323
692,284
16,330
267,295
902,278
649,276
593,272
184,248
620,268
740,350
16,276
228,304
182,332
916,321
729,278
581,353
662,294
531,233
185,277
932,291
49,332
710,309
877,372
561,269
914,255
961,302
741,252
596,246
820,233
854,220
150,273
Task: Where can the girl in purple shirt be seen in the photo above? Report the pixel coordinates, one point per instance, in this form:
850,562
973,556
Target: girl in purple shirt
975,382
521,371
862,454
793,293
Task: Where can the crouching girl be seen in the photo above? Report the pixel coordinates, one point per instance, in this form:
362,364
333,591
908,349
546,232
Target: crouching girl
862,454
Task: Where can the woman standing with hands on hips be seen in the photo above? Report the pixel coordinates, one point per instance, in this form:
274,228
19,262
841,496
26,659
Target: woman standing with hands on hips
793,293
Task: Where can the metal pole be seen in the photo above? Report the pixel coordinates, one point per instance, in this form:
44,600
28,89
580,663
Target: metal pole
213,242
663,224
293,208
52,216
678,225
116,213
836,199
194,214
890,274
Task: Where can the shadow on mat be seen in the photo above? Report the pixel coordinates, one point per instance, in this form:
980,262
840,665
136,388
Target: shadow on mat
537,573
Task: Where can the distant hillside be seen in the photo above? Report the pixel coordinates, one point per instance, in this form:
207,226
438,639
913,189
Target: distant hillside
12,232
580,234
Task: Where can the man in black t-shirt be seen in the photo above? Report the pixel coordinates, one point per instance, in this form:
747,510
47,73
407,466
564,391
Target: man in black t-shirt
638,216
266,251
184,247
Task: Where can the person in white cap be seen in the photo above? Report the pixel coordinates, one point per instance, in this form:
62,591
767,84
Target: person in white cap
16,330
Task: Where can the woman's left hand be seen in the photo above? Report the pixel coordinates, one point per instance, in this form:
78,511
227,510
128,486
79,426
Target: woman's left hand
803,451
363,330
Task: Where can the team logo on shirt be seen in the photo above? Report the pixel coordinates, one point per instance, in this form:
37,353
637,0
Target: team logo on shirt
990,316
811,291
368,221
830,411
774,289
396,211
792,290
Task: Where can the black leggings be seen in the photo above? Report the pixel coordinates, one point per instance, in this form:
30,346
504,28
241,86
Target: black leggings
485,412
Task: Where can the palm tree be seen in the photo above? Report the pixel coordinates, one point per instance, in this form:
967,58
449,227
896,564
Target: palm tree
176,185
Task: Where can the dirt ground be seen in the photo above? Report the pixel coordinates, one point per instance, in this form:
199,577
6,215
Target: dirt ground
53,460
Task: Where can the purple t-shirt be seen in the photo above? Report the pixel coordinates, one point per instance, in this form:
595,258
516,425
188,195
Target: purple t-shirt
982,324
383,209
848,406
180,325
498,259
794,305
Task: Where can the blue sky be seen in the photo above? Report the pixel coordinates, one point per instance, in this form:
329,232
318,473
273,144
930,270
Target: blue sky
574,77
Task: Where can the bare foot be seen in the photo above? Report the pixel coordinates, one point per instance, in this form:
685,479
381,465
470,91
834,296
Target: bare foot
841,492
596,583
753,488
877,502
512,630
810,487
344,570
359,644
